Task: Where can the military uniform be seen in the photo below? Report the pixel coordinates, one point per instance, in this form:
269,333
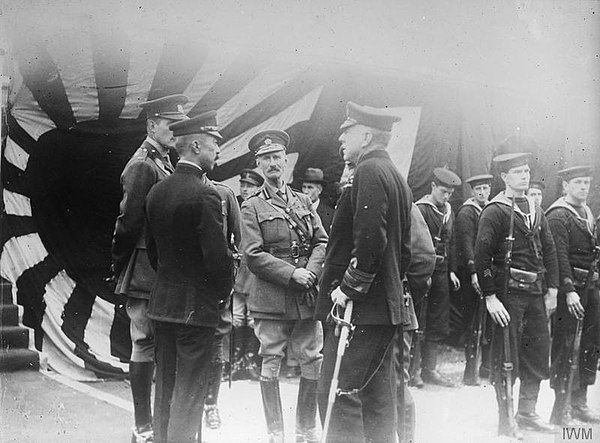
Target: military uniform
574,231
230,212
467,220
440,221
281,233
367,257
534,267
135,276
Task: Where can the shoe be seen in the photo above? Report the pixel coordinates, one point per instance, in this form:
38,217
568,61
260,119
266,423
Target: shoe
585,414
533,422
471,380
416,381
143,434
513,433
212,419
435,378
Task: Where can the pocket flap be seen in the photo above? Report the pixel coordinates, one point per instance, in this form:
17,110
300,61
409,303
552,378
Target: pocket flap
523,276
266,216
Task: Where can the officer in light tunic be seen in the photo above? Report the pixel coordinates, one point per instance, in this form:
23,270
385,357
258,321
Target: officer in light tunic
284,244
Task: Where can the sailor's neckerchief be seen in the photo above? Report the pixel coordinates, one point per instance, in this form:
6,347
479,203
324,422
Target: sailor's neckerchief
426,199
589,223
472,202
528,220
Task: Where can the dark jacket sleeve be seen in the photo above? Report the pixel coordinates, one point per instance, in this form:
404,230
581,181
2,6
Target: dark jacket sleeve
137,180
466,231
370,205
550,258
209,229
558,226
488,242
452,260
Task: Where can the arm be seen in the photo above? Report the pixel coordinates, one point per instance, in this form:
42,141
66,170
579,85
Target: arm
550,258
209,229
370,204
318,244
137,180
261,263
234,220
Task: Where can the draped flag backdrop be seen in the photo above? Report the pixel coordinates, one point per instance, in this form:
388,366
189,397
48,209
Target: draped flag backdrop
74,121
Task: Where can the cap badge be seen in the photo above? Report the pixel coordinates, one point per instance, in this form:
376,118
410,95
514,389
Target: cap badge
180,108
268,141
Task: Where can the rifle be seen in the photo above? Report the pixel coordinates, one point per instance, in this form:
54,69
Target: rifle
415,358
507,364
342,329
573,362
477,330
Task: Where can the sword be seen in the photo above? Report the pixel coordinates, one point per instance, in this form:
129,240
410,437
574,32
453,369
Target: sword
344,331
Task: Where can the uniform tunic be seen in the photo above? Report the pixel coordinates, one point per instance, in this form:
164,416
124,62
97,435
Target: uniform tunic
441,229
367,256
574,233
273,249
533,251
135,276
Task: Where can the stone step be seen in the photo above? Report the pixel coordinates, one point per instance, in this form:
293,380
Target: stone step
9,315
19,359
6,297
14,337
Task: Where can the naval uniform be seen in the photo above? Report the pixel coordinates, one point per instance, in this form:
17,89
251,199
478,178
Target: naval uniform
367,256
534,252
574,231
440,221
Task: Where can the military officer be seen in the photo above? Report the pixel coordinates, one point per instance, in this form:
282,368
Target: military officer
440,219
245,364
312,185
135,277
467,219
515,297
230,211
284,246
250,181
576,237
367,257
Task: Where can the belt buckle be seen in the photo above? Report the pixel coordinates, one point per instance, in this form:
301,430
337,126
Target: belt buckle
295,249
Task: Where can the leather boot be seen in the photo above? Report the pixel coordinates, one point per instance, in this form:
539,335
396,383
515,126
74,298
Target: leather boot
561,411
428,372
212,418
580,409
414,369
269,389
306,412
140,377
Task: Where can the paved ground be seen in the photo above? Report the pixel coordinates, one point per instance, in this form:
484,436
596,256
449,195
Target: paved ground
40,407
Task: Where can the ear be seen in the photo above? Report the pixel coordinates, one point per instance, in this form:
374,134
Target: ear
503,176
150,125
433,186
565,186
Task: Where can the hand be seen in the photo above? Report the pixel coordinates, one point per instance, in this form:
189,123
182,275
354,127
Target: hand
550,300
574,305
475,283
338,297
304,277
497,310
455,281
